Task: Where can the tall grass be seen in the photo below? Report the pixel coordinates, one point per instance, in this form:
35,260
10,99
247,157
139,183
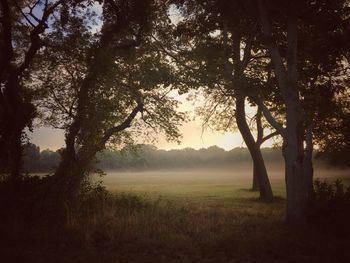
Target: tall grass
125,227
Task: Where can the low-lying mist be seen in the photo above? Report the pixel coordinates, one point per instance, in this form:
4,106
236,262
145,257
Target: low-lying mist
211,181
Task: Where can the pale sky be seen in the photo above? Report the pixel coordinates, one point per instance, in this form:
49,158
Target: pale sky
48,138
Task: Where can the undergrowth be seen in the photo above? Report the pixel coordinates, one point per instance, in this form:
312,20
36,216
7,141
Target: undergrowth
328,208
124,227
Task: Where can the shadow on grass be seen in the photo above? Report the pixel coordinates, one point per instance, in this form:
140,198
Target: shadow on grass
129,228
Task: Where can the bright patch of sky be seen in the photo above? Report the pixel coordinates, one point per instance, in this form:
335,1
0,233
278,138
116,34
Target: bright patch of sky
175,15
97,8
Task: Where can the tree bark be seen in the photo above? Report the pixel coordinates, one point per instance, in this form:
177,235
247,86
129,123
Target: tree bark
264,183
255,185
298,161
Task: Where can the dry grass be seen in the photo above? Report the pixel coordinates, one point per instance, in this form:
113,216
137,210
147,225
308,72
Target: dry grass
192,222
131,228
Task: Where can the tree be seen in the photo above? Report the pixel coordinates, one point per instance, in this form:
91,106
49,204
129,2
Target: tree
100,83
219,55
22,34
297,135
292,108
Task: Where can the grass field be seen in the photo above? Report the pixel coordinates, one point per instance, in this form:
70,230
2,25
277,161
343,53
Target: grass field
209,184
206,216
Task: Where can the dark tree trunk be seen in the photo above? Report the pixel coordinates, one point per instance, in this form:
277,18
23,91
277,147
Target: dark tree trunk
259,141
17,114
298,171
67,180
255,185
70,172
299,177
240,115
298,160
264,183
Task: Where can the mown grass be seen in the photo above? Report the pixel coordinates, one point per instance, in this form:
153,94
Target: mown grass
193,185
194,221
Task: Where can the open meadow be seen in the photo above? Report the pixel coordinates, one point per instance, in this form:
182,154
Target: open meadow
181,216
206,184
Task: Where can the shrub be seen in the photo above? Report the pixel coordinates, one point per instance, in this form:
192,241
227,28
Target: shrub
329,206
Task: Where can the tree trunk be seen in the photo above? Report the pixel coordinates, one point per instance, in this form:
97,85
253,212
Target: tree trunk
298,171
264,183
17,114
298,161
255,185
69,176
259,141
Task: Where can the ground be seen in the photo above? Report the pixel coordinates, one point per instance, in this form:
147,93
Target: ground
181,216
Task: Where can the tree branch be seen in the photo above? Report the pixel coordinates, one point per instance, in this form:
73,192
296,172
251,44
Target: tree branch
58,101
228,65
269,136
247,48
36,42
124,125
271,120
22,13
280,70
259,127
171,55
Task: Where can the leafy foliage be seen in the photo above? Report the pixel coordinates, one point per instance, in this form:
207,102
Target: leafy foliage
329,207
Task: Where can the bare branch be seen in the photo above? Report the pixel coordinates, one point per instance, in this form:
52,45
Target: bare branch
124,125
144,119
271,120
59,102
23,14
31,8
269,136
36,42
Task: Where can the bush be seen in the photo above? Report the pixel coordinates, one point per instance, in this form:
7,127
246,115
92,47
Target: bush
329,207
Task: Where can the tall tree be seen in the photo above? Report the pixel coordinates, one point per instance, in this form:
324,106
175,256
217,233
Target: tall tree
23,25
99,85
219,54
297,88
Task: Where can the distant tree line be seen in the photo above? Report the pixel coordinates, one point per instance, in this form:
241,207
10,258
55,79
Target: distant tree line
148,157
35,160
